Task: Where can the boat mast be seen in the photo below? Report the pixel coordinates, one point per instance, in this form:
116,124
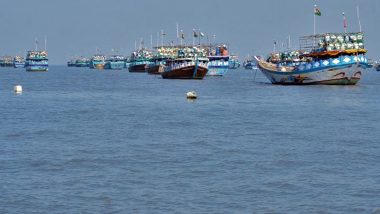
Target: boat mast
177,32
36,44
357,13
158,36
181,37
151,41
162,38
45,42
344,23
315,9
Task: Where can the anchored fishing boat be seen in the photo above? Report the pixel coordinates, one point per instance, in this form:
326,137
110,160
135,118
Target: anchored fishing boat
331,58
249,63
218,60
161,56
140,60
71,62
377,66
98,61
115,62
190,63
82,62
6,61
37,61
234,62
18,62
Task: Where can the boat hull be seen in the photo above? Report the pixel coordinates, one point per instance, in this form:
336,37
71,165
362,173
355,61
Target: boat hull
341,71
141,68
97,65
187,72
81,65
115,65
217,71
36,68
233,65
218,65
19,65
156,69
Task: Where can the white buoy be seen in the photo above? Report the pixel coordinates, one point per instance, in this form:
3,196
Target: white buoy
191,95
18,89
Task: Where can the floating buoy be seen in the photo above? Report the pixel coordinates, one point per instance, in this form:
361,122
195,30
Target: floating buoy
191,95
17,89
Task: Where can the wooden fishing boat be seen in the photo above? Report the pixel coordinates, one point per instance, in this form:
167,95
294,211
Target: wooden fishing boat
186,68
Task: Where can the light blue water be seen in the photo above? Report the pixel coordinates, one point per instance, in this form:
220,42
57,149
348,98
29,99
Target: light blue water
84,141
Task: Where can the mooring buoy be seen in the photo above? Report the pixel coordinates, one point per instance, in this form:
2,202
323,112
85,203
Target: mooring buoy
17,89
191,95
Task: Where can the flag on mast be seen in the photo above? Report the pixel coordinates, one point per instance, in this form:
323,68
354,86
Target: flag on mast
317,12
195,33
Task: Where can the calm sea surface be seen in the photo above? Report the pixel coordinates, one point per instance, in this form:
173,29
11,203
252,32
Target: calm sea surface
87,141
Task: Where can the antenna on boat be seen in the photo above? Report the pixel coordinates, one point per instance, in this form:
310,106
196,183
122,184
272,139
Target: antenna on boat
357,13
289,44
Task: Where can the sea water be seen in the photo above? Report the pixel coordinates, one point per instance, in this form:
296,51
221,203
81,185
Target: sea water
87,141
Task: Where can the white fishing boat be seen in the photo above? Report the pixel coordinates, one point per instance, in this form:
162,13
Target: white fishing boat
337,59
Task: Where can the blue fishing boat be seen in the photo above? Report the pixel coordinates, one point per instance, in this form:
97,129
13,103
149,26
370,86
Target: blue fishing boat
218,60
115,62
18,62
249,63
377,66
234,62
331,58
98,61
37,61
82,62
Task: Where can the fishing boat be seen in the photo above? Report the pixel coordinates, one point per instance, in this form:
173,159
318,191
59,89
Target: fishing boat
234,62
98,61
71,62
190,63
82,62
140,60
331,58
6,61
18,62
160,57
115,62
249,63
37,61
377,66
218,60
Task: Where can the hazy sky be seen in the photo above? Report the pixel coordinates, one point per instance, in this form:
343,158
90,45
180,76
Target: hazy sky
78,27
